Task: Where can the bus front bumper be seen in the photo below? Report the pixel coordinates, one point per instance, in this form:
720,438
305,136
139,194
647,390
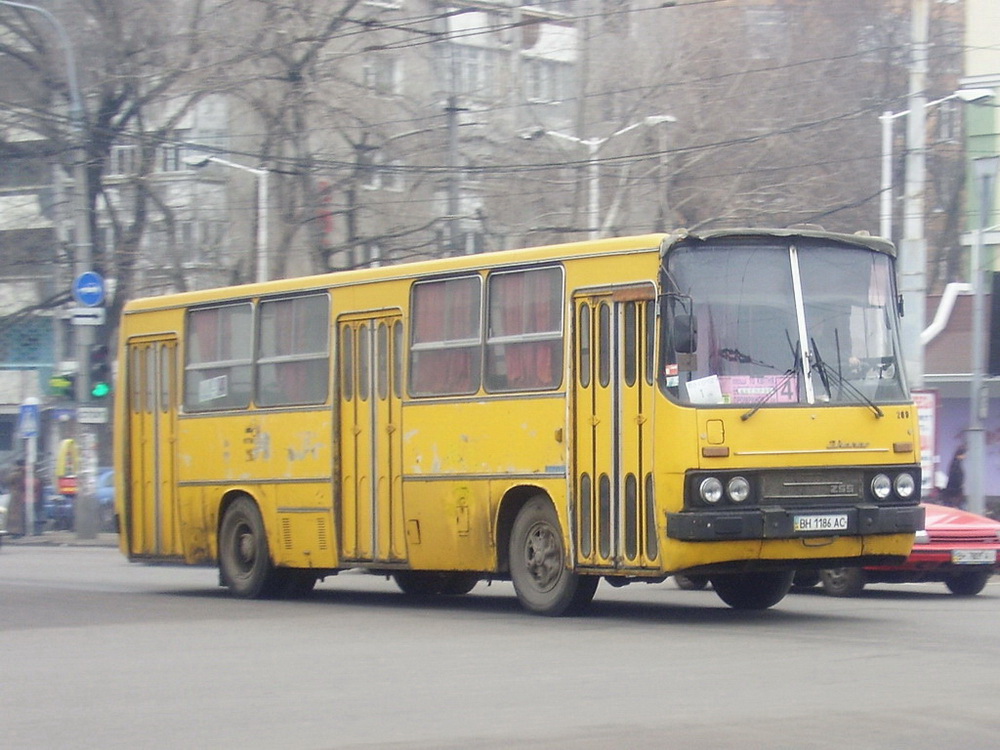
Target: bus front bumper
775,522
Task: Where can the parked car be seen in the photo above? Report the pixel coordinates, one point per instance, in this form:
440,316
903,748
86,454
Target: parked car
60,509
956,548
106,499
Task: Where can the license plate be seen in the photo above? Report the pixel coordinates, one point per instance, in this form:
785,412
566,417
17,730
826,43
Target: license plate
830,522
974,556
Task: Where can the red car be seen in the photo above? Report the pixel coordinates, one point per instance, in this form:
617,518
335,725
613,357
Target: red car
956,548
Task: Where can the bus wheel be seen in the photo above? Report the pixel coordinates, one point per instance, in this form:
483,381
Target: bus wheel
296,584
244,563
968,584
842,581
752,590
458,584
433,582
542,580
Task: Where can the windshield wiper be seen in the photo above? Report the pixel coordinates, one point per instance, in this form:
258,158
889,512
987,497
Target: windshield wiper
827,373
789,374
796,364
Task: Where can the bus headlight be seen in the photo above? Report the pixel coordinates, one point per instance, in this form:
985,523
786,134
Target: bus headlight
881,486
710,490
904,485
738,489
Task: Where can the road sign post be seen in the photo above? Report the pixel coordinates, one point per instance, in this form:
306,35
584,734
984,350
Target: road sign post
28,423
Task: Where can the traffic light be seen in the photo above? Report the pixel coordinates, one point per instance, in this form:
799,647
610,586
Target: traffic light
100,371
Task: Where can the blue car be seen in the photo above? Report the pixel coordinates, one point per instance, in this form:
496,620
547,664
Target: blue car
59,509
106,499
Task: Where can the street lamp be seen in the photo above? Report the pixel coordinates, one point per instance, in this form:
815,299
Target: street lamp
593,146
913,250
261,174
985,169
886,119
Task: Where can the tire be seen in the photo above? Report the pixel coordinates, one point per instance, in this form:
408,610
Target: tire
752,590
543,581
245,565
295,584
690,582
434,582
968,583
842,581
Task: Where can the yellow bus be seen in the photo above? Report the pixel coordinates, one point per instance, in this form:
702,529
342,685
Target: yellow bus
729,404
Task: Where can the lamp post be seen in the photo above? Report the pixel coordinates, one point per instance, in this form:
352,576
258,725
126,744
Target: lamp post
886,120
262,271
912,259
985,170
593,146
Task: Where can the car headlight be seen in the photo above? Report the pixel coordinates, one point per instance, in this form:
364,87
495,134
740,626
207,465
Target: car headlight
881,486
922,537
710,490
738,489
904,485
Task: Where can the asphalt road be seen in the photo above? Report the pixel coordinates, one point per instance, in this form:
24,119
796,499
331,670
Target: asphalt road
97,652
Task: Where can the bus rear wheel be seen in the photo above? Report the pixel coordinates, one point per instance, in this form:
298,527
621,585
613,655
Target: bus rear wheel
543,582
431,583
244,561
758,590
842,581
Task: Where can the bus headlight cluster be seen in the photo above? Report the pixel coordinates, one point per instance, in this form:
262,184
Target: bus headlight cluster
903,485
736,490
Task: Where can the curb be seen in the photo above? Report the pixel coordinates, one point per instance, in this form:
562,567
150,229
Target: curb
61,539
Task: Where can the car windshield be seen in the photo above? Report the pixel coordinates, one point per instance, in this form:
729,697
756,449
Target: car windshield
777,323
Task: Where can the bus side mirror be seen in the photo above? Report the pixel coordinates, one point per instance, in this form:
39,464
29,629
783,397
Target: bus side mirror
685,334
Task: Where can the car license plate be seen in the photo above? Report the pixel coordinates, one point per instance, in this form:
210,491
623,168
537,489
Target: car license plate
974,556
830,522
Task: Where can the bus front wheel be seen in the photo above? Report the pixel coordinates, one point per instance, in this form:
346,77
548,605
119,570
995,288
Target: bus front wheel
758,590
244,562
543,582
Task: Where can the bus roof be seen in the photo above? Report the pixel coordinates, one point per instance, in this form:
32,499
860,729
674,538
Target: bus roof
563,251
859,239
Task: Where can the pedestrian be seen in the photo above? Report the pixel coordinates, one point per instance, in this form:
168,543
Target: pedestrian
16,520
953,493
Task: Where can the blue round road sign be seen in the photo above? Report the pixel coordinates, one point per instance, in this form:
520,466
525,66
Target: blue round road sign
88,289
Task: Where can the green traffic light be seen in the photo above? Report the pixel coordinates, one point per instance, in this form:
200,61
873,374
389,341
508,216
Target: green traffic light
100,390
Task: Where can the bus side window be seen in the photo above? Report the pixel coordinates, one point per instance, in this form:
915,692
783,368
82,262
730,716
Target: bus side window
293,351
446,337
218,357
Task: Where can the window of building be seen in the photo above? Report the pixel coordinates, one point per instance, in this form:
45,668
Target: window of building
446,343
293,361
525,330
123,160
547,80
218,358
470,70
383,74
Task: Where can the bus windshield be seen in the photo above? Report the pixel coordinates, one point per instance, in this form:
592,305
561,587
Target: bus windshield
773,324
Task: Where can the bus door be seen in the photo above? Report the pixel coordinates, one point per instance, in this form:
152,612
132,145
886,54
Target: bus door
151,521
615,519
371,507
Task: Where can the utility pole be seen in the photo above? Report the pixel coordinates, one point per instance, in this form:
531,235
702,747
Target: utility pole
913,249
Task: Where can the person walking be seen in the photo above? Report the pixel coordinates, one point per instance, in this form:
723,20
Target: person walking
16,514
953,493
